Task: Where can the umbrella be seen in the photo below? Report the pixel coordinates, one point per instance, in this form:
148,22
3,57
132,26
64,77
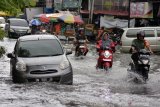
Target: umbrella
44,18
69,18
35,22
78,19
53,17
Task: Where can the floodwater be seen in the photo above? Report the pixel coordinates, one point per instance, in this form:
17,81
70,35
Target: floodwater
91,88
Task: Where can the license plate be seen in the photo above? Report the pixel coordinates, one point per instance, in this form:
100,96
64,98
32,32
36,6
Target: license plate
21,34
43,79
106,59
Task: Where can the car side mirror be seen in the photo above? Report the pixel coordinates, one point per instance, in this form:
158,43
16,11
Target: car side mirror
68,51
10,55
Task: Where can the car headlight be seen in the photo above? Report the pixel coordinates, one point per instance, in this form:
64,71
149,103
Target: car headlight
107,54
64,65
11,30
29,31
20,66
145,61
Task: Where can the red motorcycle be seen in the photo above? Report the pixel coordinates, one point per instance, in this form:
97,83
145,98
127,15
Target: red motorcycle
105,59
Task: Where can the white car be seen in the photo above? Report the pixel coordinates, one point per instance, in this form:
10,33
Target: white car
152,34
2,23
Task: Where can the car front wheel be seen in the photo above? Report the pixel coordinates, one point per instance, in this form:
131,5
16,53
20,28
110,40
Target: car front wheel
17,77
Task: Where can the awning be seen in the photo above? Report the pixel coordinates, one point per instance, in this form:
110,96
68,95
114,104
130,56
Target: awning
84,11
115,13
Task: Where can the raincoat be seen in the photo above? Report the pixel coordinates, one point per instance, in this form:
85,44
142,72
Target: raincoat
105,43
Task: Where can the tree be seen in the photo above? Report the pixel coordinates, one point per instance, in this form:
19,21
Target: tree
15,7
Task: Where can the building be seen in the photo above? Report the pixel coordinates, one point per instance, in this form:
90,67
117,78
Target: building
147,10
51,6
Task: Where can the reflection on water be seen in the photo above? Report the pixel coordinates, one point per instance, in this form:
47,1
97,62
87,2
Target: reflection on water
139,90
142,90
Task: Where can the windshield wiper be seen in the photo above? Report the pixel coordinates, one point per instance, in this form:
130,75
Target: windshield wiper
55,54
46,55
39,55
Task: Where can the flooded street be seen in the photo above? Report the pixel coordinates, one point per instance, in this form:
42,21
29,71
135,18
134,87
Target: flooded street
91,88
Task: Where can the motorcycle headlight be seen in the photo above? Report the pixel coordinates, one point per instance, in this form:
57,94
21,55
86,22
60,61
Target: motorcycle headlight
29,31
43,31
64,65
106,54
11,30
20,66
145,61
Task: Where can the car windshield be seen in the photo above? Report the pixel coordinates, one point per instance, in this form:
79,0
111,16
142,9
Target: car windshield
19,23
39,48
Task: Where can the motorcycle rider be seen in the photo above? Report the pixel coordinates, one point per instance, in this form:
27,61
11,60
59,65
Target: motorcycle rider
137,44
81,39
103,43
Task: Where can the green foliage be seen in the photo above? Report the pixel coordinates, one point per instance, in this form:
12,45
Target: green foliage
2,34
15,7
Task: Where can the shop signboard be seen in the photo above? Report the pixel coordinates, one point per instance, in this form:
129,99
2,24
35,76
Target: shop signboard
114,5
141,10
70,3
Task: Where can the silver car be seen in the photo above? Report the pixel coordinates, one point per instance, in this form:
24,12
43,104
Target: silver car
40,58
152,34
16,28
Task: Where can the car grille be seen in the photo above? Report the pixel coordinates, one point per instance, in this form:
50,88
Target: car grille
43,71
21,32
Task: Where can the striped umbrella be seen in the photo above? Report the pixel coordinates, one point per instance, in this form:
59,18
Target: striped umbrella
69,18
35,22
78,19
53,17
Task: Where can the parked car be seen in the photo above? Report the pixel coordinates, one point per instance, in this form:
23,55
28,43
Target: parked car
2,23
40,58
152,34
17,27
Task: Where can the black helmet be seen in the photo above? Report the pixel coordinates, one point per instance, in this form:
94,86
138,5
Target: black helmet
141,33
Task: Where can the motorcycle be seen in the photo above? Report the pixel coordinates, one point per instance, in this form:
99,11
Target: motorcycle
105,59
82,49
138,72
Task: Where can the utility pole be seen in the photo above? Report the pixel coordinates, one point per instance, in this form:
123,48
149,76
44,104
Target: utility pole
129,13
89,9
92,9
